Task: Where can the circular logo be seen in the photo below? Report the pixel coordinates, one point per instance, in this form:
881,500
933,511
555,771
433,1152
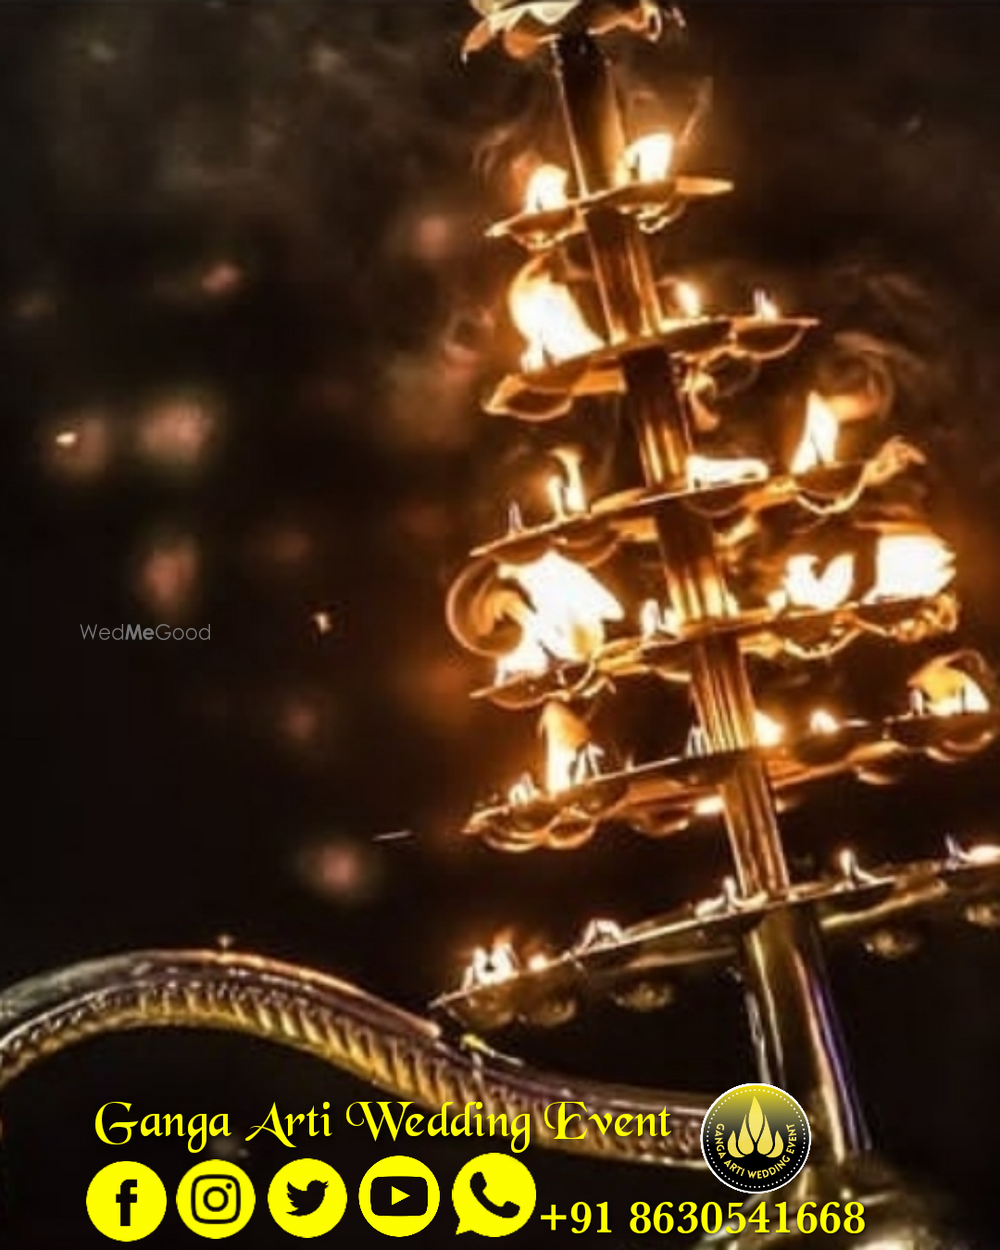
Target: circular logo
126,1201
399,1196
755,1138
215,1199
494,1195
307,1198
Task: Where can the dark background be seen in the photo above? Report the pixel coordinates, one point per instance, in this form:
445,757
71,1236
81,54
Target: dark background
245,320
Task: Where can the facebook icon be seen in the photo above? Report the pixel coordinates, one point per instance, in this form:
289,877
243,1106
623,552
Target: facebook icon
125,1198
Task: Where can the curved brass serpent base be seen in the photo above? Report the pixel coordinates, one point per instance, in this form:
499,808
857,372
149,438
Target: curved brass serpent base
400,1053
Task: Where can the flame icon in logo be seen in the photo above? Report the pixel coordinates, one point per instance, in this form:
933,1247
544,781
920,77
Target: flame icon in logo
755,1135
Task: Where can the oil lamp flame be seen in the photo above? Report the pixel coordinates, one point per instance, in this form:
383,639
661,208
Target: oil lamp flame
650,158
805,588
548,318
941,688
567,493
764,307
819,441
912,566
650,618
823,722
566,617
705,472
600,933
524,792
490,967
570,756
688,300
548,190
770,732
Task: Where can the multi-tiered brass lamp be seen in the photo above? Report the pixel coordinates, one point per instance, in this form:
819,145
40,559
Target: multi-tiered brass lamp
554,604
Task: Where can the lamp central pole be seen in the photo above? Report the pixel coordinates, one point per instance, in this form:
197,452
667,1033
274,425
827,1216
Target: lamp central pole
794,1024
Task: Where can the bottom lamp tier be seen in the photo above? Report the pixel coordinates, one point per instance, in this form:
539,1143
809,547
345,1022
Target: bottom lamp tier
886,909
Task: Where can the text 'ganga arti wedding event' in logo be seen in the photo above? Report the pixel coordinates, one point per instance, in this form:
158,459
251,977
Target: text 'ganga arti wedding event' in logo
755,1138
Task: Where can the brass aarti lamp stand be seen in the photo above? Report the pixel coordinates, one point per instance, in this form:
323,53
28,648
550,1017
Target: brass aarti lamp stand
537,602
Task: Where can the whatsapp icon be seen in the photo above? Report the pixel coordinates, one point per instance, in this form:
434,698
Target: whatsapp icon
494,1195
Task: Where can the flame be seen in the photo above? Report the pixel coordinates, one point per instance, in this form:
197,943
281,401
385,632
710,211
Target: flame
823,722
711,805
650,158
688,300
981,854
547,316
654,620
538,962
569,753
912,566
566,617
764,308
548,190
770,733
523,792
567,493
649,620
600,933
942,689
819,440
703,471
805,588
755,1135
515,520
490,967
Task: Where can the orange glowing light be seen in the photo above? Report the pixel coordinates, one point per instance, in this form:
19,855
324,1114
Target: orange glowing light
548,190
650,158
982,853
490,967
650,619
764,307
942,689
770,732
569,753
567,492
819,441
549,320
688,299
804,587
911,566
823,722
566,617
524,792
705,472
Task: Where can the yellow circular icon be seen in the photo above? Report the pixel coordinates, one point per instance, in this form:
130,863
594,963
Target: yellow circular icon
493,1195
126,1201
307,1198
215,1199
399,1196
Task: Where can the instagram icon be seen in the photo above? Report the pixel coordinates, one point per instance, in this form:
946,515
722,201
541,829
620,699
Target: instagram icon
215,1199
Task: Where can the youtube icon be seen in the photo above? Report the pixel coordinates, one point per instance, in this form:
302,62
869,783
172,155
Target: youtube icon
399,1195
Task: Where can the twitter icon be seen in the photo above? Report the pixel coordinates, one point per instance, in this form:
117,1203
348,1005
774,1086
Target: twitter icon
307,1198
